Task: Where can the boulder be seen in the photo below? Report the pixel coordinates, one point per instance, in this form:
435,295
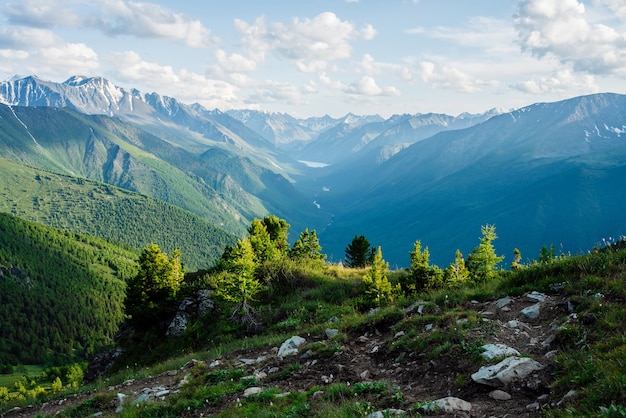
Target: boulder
449,405
509,370
206,304
290,346
531,312
498,351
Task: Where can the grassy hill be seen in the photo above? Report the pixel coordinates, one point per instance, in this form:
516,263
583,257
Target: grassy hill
61,293
404,356
108,212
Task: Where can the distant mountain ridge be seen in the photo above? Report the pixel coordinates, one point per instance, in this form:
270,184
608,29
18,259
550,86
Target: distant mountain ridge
546,173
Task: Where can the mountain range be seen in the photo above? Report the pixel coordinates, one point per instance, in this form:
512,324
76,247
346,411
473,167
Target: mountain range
549,173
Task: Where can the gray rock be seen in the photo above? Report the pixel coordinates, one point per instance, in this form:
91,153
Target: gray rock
178,326
509,370
531,312
252,391
448,405
331,332
206,304
143,398
498,351
386,413
501,303
290,346
536,296
499,395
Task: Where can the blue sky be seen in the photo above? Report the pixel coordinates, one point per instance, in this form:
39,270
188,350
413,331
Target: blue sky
326,57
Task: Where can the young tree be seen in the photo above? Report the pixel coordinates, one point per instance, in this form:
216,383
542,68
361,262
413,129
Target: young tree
517,257
156,284
457,273
378,289
483,260
307,246
278,229
421,274
237,284
358,252
268,238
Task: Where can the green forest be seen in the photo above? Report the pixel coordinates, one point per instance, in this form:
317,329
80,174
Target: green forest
108,212
61,293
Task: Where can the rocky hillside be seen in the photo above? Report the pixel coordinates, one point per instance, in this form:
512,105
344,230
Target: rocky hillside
540,339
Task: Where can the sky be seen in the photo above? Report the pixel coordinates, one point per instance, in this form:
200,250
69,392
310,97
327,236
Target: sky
318,57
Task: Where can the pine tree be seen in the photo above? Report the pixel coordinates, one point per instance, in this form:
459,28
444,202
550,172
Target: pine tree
483,260
358,252
457,273
377,287
307,246
156,284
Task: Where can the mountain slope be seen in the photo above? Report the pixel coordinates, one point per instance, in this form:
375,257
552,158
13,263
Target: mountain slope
61,294
108,212
546,174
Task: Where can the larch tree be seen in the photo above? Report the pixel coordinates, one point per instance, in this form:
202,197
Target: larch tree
483,260
358,252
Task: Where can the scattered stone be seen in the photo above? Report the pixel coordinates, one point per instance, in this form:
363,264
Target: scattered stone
531,312
290,347
273,370
509,370
374,350
448,405
499,395
282,395
260,375
362,339
428,327
364,375
143,398
386,413
558,287
414,305
331,332
327,379
533,406
501,303
333,320
97,414
246,361
512,323
252,391
537,296
120,400
551,354
498,351
184,381
214,364
462,321
398,335
206,303
162,393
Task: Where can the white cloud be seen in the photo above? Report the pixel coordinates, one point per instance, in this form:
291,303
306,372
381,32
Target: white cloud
41,13
564,29
185,85
367,86
447,77
25,37
149,20
564,82
310,43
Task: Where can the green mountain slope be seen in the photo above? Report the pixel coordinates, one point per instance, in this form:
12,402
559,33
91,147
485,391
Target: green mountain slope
108,212
61,293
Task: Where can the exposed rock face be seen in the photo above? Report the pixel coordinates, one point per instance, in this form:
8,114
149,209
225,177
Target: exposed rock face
202,304
101,363
290,347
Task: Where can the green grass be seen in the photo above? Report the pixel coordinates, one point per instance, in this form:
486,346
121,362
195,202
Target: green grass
31,371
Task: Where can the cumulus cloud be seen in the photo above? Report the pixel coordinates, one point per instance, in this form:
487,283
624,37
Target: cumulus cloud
149,20
564,29
128,66
311,43
564,82
447,77
41,13
365,86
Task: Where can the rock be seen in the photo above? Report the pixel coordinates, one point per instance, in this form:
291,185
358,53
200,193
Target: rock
536,296
214,364
178,326
120,400
533,406
448,405
333,320
101,363
428,327
143,398
531,312
260,375
386,413
162,393
252,391
206,304
290,346
499,395
362,339
501,303
551,354
273,370
331,332
398,335
498,351
364,375
509,370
